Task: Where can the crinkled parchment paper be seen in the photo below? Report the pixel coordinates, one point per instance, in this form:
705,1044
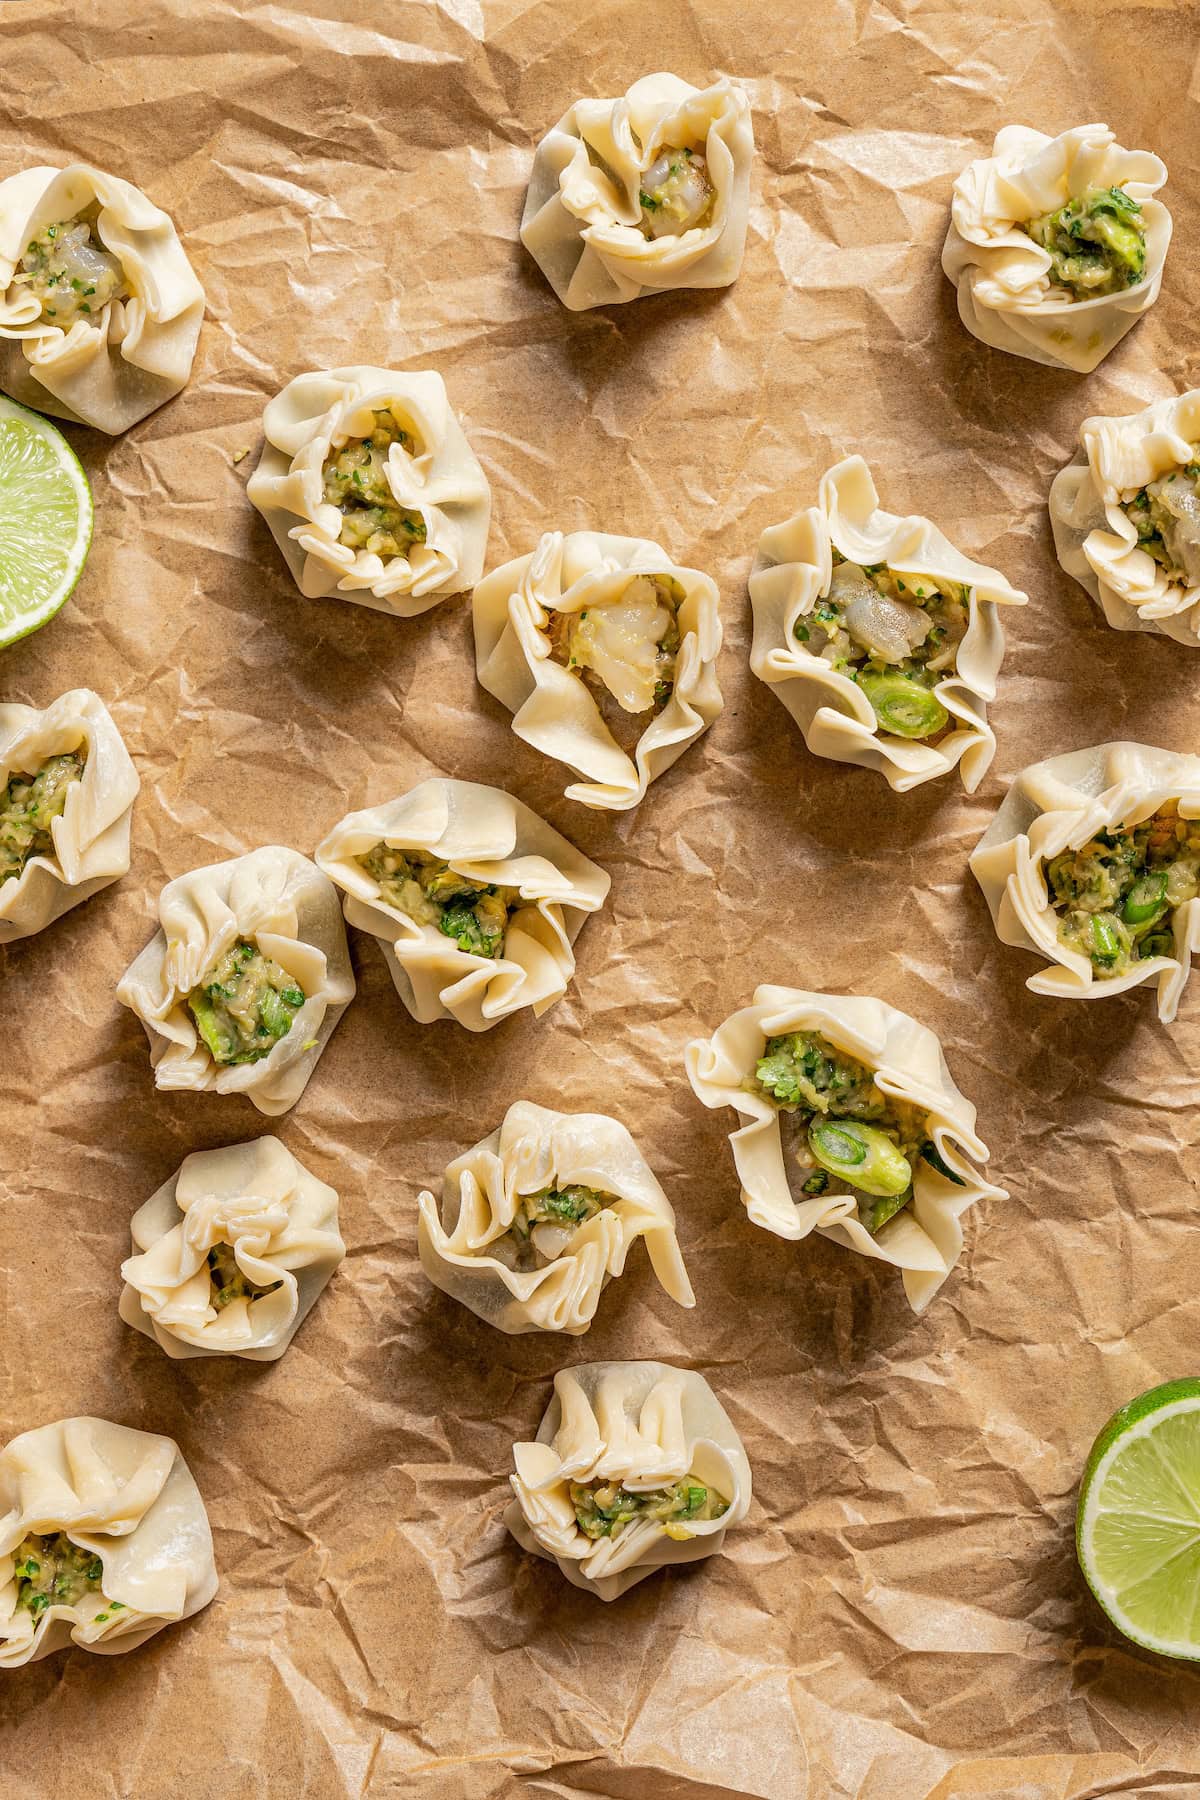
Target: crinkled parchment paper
901,1616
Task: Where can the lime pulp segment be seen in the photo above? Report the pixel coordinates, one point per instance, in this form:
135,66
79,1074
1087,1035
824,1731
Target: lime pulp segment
1138,1527
45,520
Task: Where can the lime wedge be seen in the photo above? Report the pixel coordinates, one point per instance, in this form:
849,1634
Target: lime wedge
45,520
1137,1531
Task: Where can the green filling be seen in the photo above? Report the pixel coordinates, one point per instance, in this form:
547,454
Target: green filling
1116,897
604,1508
897,647
52,1571
1166,516
355,481
245,1004
1096,243
851,1137
27,805
69,272
228,1282
430,892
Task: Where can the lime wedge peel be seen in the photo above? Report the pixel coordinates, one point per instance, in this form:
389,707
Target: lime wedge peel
45,520
1137,1530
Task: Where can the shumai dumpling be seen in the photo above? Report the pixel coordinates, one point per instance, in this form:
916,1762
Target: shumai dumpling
536,1220
99,308
851,1126
1093,862
635,1465
476,901
1126,517
605,652
642,194
882,640
67,787
1056,246
103,1540
371,490
246,978
232,1252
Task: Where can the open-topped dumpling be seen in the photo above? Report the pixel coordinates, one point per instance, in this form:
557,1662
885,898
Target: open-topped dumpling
636,1465
1126,517
1055,245
476,901
851,1125
67,787
535,1220
248,975
103,1540
882,640
1093,862
605,652
231,1253
99,308
642,194
371,490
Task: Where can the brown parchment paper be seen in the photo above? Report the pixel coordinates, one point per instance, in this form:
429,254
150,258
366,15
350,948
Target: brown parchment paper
901,1616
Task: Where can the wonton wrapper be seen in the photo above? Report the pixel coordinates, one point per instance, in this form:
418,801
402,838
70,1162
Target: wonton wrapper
129,1497
111,370
793,570
91,838
925,1238
553,709
1094,539
644,1424
581,222
529,1151
282,1224
1002,276
442,481
483,833
277,898
1061,803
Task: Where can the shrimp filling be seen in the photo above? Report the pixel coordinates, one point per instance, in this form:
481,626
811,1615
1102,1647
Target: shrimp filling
245,1004
228,1281
895,635
1116,897
544,1224
1096,243
356,482
50,1570
69,271
27,805
627,647
475,914
849,1136
604,1508
676,194
1166,516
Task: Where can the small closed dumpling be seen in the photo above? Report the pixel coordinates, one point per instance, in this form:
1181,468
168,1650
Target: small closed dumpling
371,490
67,787
1126,517
99,308
643,193
1056,245
249,973
103,1540
882,640
232,1252
535,1221
850,1125
636,1466
605,652
1093,862
476,900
